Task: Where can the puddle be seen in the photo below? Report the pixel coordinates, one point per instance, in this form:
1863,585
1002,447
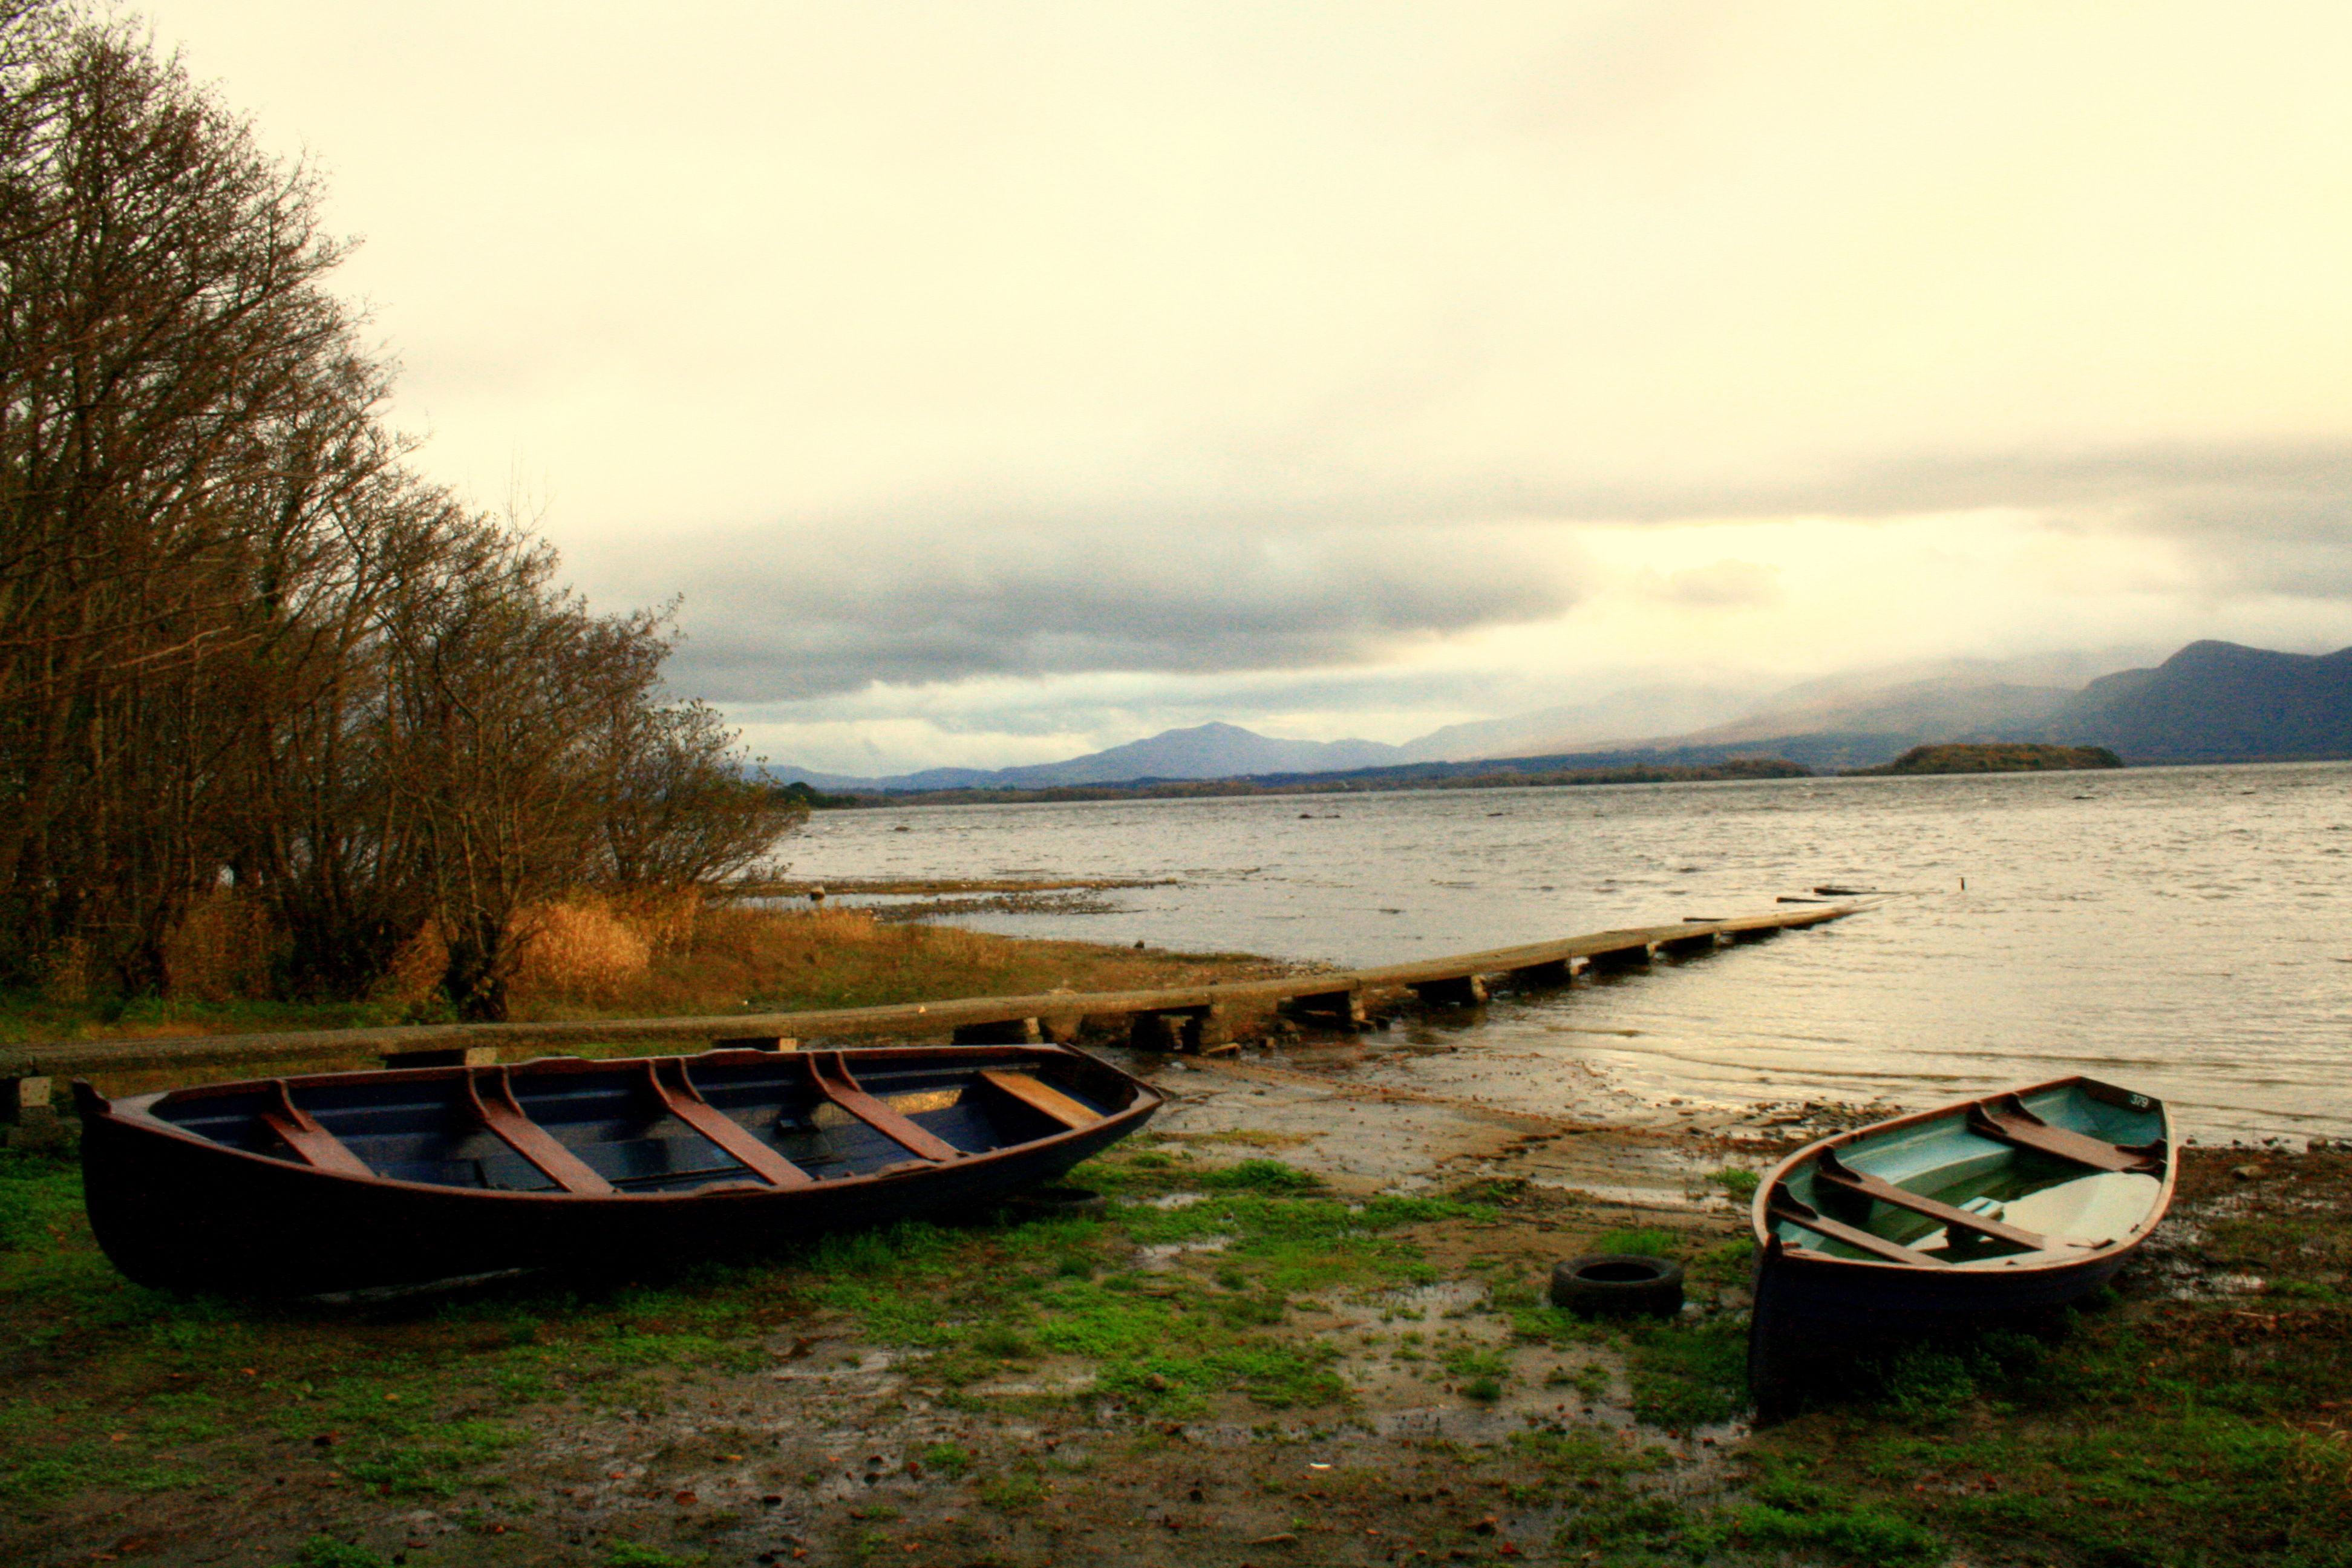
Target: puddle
1637,1197
1161,1255
1056,1380
1425,1301
1482,1425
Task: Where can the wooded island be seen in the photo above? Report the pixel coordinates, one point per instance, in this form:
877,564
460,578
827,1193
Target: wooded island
2002,757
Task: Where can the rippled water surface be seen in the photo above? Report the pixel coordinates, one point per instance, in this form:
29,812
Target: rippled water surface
2183,931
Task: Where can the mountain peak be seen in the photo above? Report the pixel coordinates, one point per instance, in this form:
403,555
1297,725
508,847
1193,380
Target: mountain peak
2211,653
2217,701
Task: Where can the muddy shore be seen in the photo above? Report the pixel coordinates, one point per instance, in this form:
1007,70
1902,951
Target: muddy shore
1307,1326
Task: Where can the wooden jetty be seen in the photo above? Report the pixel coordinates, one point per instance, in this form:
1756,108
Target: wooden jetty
1191,1018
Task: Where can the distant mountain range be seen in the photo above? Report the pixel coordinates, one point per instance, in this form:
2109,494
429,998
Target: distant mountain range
1620,719
2217,702
1203,751
2211,701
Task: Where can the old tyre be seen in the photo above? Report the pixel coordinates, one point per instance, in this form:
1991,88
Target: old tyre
1618,1285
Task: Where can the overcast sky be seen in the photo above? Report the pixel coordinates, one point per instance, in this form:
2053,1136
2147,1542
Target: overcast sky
998,381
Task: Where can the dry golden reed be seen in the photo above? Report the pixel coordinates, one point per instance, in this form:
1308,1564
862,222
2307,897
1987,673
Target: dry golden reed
580,946
664,917
415,971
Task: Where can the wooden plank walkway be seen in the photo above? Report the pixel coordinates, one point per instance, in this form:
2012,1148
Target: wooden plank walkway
1176,1017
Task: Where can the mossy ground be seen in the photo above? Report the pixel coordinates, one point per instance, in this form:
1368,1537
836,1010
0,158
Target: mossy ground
1233,1364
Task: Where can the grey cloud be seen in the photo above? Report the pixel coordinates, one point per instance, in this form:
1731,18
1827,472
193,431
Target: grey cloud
1301,578
2254,518
2247,518
2278,487
2276,490
835,609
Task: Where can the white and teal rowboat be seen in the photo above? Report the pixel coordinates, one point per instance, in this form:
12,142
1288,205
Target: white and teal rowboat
1941,1220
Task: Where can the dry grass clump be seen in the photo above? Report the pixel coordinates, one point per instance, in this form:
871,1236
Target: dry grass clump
580,947
785,960
664,917
415,971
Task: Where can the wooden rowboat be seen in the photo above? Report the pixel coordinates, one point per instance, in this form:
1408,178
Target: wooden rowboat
1949,1219
342,1181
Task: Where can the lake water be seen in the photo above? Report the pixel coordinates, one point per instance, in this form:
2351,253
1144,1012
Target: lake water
2183,931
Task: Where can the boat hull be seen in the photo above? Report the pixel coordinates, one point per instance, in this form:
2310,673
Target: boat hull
2065,1180
176,1210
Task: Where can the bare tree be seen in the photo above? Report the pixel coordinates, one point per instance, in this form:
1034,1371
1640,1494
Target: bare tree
160,334
238,638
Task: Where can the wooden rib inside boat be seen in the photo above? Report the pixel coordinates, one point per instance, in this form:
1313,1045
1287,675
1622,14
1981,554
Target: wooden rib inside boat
337,1181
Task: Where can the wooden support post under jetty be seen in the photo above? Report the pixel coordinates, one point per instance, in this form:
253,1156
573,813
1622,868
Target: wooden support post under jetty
1005,1032
1193,1029
1550,972
1682,947
1461,991
1339,1009
1617,958
1156,1032
1191,1018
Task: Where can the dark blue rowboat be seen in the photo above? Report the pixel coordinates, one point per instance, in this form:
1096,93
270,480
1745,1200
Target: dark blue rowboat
1949,1219
342,1181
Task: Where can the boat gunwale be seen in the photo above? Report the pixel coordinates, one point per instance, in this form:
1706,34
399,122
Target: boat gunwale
134,1114
1772,1247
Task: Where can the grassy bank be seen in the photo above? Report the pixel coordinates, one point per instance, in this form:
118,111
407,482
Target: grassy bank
589,960
1232,1364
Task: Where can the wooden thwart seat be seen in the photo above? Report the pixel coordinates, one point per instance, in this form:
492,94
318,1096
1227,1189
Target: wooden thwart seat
2006,1120
1828,1168
300,1130
685,1102
1805,1218
502,1114
830,1075
1043,1097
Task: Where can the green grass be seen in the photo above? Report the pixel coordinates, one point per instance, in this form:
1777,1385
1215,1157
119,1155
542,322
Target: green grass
1737,1184
114,1388
326,1551
1785,1512
38,1202
2149,1433
1260,1177
2153,1433
1688,1374
1647,1242
629,1555
1012,1494
1167,1340
950,1459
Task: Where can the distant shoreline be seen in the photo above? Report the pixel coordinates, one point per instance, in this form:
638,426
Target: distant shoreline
1743,768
